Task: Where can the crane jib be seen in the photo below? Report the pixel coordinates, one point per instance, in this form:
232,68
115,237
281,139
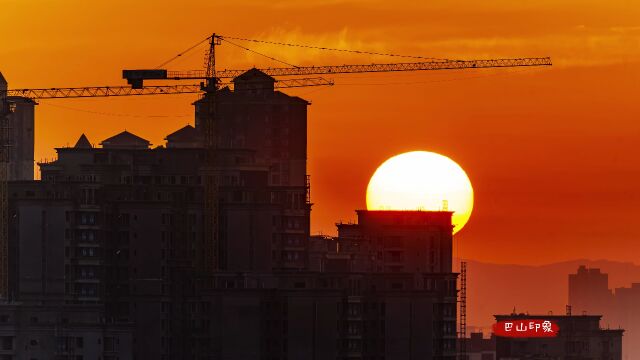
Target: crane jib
136,77
362,68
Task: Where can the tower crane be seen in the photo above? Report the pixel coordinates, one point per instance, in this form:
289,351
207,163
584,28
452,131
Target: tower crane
211,81
211,78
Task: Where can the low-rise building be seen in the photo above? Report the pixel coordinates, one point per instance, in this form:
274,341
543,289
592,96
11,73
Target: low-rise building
579,337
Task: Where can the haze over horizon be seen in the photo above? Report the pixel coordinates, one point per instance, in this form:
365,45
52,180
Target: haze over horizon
550,154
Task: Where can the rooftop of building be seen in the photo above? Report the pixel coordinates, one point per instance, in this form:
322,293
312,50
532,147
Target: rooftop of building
83,143
406,213
186,134
125,140
583,322
258,83
253,75
400,217
583,269
547,317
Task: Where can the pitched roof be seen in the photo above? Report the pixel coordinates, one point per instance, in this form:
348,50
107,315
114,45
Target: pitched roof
3,81
187,137
125,140
253,75
83,143
187,133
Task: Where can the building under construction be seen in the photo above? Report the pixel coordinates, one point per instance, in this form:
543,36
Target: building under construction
117,231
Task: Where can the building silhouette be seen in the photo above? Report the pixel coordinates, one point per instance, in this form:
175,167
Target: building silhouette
117,231
391,245
273,127
589,293
480,348
20,129
579,337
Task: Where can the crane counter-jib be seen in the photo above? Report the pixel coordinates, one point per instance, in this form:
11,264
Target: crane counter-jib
108,91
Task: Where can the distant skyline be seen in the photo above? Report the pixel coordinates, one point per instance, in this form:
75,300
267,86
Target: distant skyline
533,289
551,152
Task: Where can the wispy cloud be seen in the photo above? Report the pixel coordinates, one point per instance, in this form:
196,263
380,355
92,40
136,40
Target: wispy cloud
580,46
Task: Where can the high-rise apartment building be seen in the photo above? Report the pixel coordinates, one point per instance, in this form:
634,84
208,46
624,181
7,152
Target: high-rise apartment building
119,228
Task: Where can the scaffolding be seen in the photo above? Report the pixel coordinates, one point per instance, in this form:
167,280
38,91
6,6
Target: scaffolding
462,335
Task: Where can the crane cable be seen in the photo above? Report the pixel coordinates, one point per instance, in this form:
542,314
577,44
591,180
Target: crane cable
110,113
183,52
362,52
226,38
259,53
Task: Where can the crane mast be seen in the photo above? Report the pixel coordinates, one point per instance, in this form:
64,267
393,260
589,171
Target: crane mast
211,246
5,110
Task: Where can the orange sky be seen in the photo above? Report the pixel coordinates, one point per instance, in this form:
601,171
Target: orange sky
552,152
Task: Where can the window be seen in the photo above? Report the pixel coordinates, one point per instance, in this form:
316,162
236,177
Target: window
87,219
88,252
87,235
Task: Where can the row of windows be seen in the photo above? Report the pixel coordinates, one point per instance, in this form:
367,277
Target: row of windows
161,180
288,222
294,240
87,289
90,178
289,256
82,218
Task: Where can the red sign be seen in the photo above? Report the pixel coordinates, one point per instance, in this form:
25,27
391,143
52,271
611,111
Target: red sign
526,328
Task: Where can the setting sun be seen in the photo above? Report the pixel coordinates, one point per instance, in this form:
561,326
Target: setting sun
422,180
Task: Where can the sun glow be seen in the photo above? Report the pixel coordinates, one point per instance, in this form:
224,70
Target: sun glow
421,180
